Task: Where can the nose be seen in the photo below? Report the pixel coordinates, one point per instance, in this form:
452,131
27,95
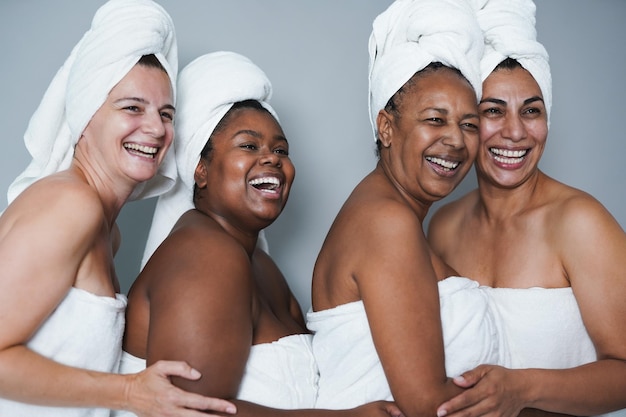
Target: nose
513,128
270,158
454,137
153,124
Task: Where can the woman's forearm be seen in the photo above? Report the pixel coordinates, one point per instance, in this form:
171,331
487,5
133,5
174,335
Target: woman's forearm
28,377
595,388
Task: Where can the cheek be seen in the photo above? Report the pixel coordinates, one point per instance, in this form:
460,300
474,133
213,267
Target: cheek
540,132
487,129
471,144
289,169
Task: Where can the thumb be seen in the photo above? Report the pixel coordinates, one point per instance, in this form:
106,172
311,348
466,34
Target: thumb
468,379
177,368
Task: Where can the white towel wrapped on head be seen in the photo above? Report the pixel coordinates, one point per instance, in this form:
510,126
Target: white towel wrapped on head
207,89
410,35
122,31
509,31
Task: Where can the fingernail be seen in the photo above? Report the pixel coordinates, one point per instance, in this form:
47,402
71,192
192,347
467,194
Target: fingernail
459,378
231,410
195,373
441,412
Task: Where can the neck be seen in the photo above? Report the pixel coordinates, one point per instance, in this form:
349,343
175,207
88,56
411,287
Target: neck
112,198
247,238
501,203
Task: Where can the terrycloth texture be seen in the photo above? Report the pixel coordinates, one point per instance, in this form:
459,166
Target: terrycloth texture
84,331
543,328
509,31
281,374
411,34
207,89
121,32
350,370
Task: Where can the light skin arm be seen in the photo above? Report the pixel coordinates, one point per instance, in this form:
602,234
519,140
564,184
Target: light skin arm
41,251
592,246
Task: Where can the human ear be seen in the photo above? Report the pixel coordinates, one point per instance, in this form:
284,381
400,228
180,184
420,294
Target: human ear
200,174
384,123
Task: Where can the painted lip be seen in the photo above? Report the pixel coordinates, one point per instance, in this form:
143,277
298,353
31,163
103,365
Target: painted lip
509,158
444,166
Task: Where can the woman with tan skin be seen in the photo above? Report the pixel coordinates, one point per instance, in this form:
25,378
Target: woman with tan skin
522,229
376,305
100,135
551,258
209,295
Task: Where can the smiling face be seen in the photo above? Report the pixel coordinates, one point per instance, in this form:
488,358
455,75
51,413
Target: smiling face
128,137
246,177
429,143
513,128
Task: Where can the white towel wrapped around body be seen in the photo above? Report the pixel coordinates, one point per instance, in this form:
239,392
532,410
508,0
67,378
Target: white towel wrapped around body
84,331
122,31
207,89
410,35
350,370
281,374
543,328
509,31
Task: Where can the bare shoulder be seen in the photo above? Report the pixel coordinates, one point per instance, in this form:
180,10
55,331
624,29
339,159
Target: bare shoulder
445,222
577,212
57,205
197,257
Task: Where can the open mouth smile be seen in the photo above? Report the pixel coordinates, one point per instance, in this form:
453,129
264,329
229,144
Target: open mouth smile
444,164
509,157
141,150
266,184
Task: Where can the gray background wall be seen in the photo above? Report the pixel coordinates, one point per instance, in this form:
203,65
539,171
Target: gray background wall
315,53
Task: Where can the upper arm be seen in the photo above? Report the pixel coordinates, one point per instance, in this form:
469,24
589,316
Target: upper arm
200,311
399,289
44,237
594,248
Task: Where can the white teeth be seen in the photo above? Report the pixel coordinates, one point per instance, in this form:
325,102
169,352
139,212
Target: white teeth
505,156
272,181
150,150
448,165
508,153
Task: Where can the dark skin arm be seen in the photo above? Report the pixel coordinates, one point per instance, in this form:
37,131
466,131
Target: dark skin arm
203,292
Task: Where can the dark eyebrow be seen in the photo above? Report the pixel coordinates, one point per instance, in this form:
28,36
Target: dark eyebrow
256,134
503,103
532,100
494,101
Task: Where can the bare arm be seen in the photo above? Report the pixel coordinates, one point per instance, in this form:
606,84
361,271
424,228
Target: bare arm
399,289
201,298
591,245
41,251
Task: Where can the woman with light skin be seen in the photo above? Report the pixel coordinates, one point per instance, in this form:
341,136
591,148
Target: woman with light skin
550,256
208,295
61,311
